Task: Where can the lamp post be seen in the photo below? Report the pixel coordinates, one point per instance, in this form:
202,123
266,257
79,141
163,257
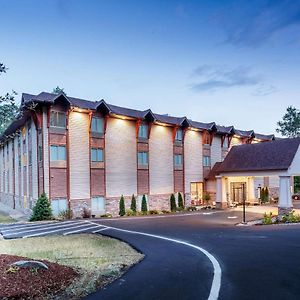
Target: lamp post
244,205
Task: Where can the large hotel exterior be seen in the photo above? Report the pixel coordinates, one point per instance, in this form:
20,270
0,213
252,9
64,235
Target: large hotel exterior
84,153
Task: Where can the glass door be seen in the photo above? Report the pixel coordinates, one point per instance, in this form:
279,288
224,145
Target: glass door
196,192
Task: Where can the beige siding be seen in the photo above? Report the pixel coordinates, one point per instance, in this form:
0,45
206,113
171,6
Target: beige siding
46,152
274,181
193,165
120,158
79,156
34,162
216,150
161,160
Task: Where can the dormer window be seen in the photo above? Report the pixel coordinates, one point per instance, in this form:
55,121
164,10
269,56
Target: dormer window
178,136
58,119
143,131
97,125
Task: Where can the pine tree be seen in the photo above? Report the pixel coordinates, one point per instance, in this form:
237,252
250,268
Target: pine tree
42,209
133,204
122,206
173,203
180,201
266,194
144,205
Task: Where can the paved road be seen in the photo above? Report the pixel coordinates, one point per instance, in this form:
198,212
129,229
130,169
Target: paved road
256,262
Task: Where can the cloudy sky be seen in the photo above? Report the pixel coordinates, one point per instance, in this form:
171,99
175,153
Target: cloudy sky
232,62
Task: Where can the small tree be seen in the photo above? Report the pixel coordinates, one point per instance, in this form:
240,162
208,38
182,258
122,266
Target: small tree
266,194
122,206
173,203
144,205
206,198
180,201
42,209
133,204
262,194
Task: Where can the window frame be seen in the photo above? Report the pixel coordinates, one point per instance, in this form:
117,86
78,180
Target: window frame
206,161
54,121
100,125
143,131
180,137
141,159
57,152
101,156
176,162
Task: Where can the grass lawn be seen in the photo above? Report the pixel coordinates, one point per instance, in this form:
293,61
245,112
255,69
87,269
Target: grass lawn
5,218
98,259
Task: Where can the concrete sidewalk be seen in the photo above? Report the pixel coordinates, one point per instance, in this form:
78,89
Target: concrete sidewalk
13,213
261,209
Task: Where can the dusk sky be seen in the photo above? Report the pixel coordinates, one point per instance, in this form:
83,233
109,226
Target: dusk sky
232,62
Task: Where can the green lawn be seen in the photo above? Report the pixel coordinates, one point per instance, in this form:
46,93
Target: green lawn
5,218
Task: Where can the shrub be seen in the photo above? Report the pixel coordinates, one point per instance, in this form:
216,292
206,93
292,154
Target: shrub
86,213
206,198
172,203
268,219
180,201
191,208
264,195
291,218
133,204
42,209
130,212
106,216
153,212
144,205
165,211
122,206
66,214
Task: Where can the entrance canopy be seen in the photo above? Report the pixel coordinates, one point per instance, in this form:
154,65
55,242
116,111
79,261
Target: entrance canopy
275,158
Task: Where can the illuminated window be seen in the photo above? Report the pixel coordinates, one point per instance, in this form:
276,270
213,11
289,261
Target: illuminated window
178,136
178,160
57,153
143,131
58,119
206,161
97,125
97,155
143,158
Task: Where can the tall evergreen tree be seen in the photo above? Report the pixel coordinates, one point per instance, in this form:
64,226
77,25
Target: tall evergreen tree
173,203
59,90
144,205
42,209
122,206
290,124
133,204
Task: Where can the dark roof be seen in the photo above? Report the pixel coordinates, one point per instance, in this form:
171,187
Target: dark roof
264,137
274,155
214,171
50,98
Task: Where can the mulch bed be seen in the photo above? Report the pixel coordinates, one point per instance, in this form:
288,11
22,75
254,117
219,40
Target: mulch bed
26,283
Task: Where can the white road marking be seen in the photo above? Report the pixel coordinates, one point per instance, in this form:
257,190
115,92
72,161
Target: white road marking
56,230
207,213
84,229
216,283
102,229
20,229
233,217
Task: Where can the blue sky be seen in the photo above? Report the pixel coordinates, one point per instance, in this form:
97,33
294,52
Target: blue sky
232,62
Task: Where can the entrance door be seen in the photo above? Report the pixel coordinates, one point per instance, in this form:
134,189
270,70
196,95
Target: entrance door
238,192
196,192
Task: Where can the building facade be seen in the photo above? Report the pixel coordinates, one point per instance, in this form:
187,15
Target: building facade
87,154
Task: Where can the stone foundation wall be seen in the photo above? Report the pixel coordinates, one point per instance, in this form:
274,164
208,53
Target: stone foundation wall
77,205
274,192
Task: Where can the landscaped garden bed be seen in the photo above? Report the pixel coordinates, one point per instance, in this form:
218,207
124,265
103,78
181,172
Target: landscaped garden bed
78,265
270,219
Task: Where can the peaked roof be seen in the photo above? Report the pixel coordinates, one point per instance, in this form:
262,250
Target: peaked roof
274,155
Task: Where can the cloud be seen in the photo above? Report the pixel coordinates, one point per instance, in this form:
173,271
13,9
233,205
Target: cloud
212,78
253,24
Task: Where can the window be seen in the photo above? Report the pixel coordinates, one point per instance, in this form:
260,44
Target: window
206,161
178,160
98,205
58,119
97,155
40,153
97,125
143,131
178,136
225,142
58,205
19,160
143,158
57,153
196,192
30,157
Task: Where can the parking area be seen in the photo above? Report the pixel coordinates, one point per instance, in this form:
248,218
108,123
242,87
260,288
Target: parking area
26,230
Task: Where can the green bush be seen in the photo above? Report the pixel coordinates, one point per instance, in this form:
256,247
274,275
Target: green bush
264,195
165,211
267,220
130,212
144,205
291,218
42,209
180,201
106,216
66,214
206,198
133,204
122,206
153,212
172,203
191,208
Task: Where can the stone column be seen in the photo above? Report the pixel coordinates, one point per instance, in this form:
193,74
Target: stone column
221,201
285,204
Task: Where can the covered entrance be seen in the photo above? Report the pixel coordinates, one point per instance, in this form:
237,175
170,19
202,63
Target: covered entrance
238,192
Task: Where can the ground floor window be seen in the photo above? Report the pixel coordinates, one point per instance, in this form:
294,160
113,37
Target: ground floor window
238,192
58,206
196,192
98,205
